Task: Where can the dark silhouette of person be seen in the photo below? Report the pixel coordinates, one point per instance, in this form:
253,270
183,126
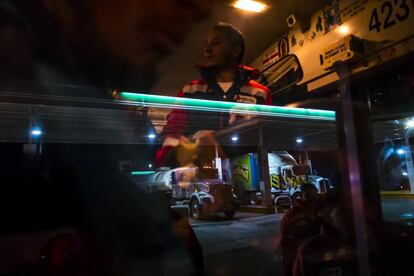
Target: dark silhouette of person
299,224
92,47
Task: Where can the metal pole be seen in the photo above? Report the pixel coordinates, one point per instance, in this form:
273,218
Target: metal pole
265,189
409,160
353,171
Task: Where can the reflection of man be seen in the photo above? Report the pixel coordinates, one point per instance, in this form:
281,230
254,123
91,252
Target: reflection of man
222,79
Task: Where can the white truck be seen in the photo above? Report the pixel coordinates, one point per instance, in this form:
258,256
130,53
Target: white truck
199,188
286,178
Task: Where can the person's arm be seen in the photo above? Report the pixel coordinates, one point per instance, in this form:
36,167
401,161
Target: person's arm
177,120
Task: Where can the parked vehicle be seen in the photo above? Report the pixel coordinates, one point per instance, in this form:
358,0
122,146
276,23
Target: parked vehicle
286,177
199,188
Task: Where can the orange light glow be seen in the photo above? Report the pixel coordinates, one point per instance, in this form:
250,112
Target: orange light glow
250,5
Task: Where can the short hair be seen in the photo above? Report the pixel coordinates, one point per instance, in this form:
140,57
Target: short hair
235,36
308,188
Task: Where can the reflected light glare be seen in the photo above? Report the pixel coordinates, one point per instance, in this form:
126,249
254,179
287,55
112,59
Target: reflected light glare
344,29
148,100
400,151
409,123
36,132
250,5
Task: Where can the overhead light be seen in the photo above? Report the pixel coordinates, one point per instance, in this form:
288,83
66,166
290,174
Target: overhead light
409,123
36,132
299,140
343,29
235,138
142,172
250,5
152,136
400,151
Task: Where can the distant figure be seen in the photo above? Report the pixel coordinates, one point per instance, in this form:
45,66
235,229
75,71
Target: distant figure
298,224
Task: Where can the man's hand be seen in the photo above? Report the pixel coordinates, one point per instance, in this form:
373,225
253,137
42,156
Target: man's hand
204,137
234,118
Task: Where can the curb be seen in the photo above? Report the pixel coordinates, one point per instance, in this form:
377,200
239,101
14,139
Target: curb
397,195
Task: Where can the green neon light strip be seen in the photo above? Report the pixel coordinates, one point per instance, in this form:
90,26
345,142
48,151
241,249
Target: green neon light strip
142,172
217,106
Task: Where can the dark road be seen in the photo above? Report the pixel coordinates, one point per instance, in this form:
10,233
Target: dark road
247,245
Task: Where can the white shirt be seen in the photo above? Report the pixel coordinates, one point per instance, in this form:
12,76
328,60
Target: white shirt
225,85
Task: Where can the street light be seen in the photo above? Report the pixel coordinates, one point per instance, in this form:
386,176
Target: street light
250,5
152,136
36,132
235,138
299,140
409,124
400,151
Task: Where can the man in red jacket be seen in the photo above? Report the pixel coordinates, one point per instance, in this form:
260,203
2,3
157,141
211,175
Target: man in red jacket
223,78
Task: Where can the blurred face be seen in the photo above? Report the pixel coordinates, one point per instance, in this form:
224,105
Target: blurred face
218,51
127,38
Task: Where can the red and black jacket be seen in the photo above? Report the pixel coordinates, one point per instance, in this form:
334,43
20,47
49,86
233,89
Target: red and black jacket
184,122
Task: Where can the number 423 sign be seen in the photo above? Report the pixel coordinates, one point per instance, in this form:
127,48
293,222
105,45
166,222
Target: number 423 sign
388,14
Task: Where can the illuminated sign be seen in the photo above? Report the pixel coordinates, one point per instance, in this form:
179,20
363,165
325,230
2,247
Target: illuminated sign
342,50
142,172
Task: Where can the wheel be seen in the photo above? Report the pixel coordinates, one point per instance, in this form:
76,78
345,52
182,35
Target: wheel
279,209
195,209
229,213
253,200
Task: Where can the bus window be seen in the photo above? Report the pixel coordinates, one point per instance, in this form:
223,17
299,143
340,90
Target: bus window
391,96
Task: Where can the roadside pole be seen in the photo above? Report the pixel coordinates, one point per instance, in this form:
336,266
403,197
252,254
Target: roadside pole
265,188
409,160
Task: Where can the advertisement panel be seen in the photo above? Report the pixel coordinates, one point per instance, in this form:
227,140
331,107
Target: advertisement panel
245,172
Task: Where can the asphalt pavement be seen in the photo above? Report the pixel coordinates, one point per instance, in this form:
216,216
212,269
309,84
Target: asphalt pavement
245,245
399,210
249,243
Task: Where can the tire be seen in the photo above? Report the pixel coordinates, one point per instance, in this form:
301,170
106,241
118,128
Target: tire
279,209
195,209
253,200
229,213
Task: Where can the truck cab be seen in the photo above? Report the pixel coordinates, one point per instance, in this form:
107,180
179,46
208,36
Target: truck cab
204,191
199,188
